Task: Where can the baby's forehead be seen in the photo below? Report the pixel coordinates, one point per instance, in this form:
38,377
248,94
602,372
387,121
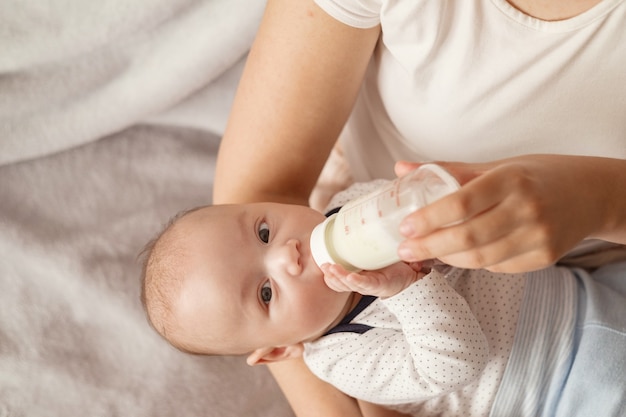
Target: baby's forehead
213,214
202,243
193,225
206,307
206,245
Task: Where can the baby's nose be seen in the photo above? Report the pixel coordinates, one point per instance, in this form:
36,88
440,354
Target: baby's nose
287,257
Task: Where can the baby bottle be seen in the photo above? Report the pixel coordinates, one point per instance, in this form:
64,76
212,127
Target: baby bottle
364,234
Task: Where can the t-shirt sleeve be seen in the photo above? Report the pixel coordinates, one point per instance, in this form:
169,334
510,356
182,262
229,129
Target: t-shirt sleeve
361,14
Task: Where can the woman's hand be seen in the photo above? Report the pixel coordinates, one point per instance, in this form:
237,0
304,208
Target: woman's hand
519,214
384,282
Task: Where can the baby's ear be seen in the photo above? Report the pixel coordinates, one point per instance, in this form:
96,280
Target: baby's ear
275,354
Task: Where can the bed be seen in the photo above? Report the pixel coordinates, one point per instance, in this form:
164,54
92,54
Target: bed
77,207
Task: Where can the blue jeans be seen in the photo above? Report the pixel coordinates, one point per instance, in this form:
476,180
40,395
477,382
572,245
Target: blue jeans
569,354
596,383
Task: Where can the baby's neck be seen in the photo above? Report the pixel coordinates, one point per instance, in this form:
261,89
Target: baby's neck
355,297
352,302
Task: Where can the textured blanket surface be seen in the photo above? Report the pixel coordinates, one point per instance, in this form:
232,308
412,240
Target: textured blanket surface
74,340
110,119
72,71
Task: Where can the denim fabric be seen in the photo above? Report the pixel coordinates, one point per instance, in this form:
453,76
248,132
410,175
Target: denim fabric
596,383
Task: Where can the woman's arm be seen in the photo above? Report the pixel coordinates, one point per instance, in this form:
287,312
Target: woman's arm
297,90
375,410
311,397
521,213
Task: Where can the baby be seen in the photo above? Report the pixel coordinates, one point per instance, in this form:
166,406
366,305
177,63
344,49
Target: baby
240,280
234,278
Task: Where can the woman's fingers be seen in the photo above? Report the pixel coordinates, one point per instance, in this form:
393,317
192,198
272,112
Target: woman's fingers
515,252
521,214
474,201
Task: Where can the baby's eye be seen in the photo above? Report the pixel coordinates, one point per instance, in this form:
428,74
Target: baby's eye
266,293
264,232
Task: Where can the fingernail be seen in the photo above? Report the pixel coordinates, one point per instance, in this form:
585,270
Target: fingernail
406,254
406,229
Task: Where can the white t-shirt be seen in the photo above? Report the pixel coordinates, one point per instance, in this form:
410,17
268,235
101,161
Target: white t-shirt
479,80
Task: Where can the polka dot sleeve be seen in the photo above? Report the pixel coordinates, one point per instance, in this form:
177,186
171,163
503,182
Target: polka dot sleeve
435,347
447,347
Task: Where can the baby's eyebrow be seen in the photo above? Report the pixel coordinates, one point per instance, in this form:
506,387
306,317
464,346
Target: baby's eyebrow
250,303
241,220
248,297
248,294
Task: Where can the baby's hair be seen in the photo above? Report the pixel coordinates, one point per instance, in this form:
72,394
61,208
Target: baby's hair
160,280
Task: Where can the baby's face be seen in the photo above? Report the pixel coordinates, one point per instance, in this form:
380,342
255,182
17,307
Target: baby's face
250,280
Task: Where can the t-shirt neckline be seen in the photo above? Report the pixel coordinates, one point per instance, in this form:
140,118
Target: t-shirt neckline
566,25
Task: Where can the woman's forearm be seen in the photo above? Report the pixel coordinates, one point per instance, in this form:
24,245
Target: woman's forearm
297,90
612,198
309,396
375,410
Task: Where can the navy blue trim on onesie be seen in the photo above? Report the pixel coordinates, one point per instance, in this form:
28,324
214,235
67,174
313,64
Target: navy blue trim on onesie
331,212
345,325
